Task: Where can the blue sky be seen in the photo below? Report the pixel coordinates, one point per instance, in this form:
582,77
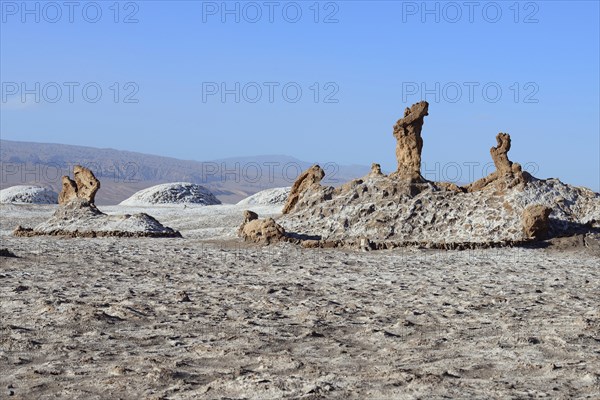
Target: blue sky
357,64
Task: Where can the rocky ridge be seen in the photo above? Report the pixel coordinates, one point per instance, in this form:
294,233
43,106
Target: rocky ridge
508,207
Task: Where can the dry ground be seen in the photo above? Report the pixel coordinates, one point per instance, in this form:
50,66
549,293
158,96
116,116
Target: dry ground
189,318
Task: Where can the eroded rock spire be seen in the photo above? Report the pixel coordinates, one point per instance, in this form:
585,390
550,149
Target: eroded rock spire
507,174
409,145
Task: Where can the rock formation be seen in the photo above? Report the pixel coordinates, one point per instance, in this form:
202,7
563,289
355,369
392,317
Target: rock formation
536,223
500,154
376,170
264,231
77,215
250,216
307,181
507,174
7,253
409,145
68,192
379,211
85,186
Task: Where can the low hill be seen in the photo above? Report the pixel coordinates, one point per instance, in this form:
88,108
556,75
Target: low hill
172,193
28,195
275,196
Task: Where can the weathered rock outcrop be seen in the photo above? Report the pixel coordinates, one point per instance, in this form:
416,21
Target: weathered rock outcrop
68,192
85,186
507,174
409,145
250,216
7,253
536,224
375,170
77,216
307,181
379,211
264,231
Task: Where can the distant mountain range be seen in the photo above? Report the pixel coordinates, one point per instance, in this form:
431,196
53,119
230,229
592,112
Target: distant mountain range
123,173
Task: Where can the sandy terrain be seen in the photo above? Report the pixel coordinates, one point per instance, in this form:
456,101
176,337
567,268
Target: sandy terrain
209,317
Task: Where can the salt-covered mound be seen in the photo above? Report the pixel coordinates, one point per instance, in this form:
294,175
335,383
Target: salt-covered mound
377,209
28,194
172,193
507,207
78,218
275,196
77,215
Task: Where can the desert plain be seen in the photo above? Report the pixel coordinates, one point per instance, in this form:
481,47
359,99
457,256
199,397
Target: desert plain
209,316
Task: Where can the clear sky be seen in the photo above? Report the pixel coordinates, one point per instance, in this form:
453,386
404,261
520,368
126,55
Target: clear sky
207,80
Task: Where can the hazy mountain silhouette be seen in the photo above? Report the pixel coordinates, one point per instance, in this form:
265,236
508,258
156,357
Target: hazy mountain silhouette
123,173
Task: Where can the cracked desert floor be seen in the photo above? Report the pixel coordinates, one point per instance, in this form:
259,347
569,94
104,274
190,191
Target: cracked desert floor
207,316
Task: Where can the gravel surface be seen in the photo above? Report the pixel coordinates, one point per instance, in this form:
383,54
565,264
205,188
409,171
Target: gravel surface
111,318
